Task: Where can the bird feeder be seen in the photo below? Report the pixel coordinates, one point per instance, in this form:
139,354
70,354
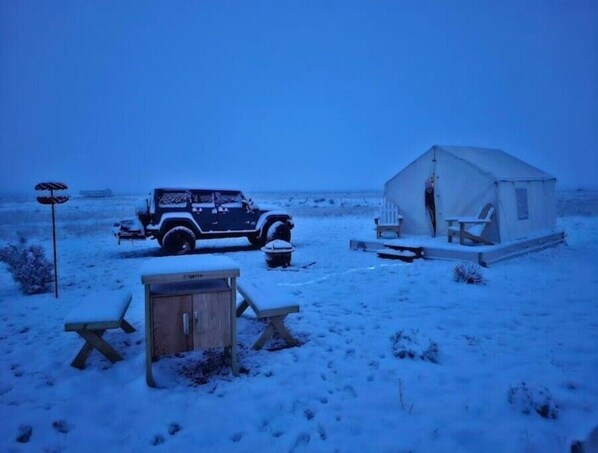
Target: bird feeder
53,200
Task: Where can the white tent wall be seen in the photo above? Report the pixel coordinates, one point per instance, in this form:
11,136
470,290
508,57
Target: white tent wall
537,200
547,195
406,190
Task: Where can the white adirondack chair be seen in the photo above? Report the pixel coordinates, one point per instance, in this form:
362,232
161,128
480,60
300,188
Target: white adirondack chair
471,228
389,219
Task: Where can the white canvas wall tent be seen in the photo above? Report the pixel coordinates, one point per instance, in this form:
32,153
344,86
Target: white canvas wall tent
467,178
458,181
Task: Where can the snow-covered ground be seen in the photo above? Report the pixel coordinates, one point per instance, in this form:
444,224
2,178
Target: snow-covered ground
394,356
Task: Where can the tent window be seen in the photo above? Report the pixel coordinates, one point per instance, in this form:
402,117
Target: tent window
522,209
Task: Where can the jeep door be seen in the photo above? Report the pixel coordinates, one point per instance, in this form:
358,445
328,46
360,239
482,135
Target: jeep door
233,212
203,210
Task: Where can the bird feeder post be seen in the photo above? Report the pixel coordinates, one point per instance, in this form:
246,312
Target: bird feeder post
52,200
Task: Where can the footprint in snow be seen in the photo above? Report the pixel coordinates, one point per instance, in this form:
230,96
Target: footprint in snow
158,440
322,432
61,426
25,432
301,441
349,391
236,437
174,428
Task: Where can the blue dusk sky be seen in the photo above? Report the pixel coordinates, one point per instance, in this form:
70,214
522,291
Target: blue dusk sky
290,95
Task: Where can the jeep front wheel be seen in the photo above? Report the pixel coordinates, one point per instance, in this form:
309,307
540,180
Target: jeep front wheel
179,240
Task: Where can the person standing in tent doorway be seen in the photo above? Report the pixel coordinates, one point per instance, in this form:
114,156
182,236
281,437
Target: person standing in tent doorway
430,204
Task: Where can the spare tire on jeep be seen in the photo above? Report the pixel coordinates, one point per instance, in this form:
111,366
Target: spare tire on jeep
278,230
178,240
272,230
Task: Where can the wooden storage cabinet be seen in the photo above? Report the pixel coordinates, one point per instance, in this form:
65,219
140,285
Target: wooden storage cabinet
190,304
184,322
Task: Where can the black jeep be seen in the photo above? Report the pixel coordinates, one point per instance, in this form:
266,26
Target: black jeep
177,218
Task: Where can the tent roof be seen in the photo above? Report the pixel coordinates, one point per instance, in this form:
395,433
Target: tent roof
496,163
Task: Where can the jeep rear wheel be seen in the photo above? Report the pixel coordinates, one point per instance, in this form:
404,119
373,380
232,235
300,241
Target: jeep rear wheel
178,240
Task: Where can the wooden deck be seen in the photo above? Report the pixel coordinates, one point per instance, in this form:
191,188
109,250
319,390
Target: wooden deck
440,249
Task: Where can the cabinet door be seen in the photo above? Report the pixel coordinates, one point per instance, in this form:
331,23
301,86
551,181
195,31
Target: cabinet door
169,314
212,323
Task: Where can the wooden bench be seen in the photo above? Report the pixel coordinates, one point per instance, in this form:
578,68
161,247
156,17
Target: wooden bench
92,317
267,303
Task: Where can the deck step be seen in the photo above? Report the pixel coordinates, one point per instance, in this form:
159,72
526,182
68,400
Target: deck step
404,255
418,251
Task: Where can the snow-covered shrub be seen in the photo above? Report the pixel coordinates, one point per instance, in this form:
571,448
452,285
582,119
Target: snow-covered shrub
407,346
468,273
538,399
430,354
9,255
29,267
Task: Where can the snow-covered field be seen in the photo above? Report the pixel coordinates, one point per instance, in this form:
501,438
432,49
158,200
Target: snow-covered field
510,365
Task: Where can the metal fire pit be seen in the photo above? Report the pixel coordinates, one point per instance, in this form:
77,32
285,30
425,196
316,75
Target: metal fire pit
278,253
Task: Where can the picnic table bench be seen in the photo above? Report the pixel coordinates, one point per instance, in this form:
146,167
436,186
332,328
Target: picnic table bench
267,303
92,317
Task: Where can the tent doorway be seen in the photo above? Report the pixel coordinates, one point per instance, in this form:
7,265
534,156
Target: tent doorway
430,203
